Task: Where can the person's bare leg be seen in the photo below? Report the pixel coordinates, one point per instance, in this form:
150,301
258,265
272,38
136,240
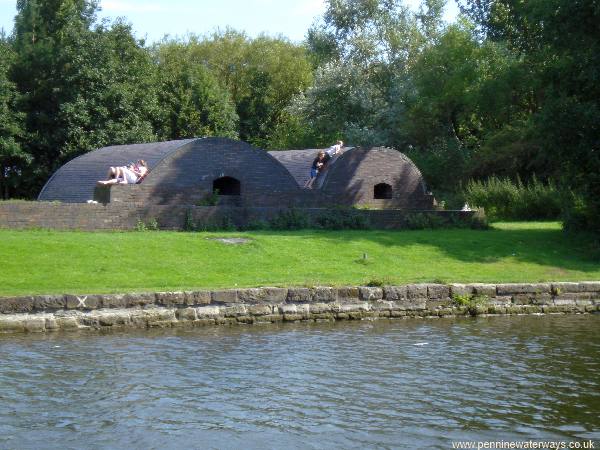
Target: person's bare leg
111,181
120,176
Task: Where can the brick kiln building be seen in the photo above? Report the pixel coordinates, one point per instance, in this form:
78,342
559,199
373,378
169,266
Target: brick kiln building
185,172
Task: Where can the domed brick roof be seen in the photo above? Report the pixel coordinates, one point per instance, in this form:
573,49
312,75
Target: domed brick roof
75,181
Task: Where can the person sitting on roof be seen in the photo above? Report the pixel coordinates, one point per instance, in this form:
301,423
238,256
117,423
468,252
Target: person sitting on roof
317,166
130,174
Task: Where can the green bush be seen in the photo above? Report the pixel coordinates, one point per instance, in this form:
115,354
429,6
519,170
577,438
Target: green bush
228,224
290,219
417,221
379,282
479,221
342,220
422,221
225,224
140,226
151,225
433,162
505,199
258,224
210,199
577,214
470,302
188,223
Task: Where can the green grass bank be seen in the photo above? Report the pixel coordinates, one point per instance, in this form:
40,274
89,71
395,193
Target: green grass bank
51,262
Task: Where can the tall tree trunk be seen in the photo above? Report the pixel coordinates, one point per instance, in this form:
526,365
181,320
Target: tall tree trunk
3,183
454,127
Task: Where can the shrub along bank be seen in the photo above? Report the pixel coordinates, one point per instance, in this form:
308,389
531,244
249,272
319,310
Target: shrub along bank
504,199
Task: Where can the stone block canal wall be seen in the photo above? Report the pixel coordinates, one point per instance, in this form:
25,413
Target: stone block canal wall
45,313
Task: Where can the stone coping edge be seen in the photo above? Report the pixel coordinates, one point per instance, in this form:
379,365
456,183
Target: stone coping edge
270,304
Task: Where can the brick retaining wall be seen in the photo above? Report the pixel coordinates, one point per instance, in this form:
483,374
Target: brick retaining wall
269,304
125,216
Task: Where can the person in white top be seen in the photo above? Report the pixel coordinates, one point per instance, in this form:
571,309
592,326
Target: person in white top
334,149
131,174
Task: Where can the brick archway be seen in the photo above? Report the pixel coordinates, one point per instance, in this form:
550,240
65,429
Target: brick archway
227,186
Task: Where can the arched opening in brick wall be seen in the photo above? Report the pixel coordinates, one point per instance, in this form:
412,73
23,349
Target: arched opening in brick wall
227,186
382,191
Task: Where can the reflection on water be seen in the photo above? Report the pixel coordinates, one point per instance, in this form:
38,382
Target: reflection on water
387,384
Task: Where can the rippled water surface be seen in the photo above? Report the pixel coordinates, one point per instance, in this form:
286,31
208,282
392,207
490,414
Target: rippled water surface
384,384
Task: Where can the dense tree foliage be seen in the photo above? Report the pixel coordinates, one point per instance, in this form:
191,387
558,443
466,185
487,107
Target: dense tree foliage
261,75
364,51
191,100
82,85
510,89
13,158
557,47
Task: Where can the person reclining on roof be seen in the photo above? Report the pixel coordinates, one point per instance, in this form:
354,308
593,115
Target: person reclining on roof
130,174
334,150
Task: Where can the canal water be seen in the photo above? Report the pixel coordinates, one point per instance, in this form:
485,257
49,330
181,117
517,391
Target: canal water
382,384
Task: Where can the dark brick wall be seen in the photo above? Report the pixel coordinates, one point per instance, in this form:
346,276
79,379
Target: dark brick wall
183,173
122,216
74,182
351,180
186,176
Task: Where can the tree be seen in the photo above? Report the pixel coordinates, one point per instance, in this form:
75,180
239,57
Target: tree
261,75
12,157
568,123
192,101
558,42
112,95
365,51
470,108
41,29
83,85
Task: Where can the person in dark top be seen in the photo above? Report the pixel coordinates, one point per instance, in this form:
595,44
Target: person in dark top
317,166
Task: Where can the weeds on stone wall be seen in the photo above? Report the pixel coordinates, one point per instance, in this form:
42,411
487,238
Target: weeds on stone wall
258,224
339,219
226,224
379,282
290,219
150,225
421,221
347,219
471,302
210,199
188,221
335,219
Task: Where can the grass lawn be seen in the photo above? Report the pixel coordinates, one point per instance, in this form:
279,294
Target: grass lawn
46,262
